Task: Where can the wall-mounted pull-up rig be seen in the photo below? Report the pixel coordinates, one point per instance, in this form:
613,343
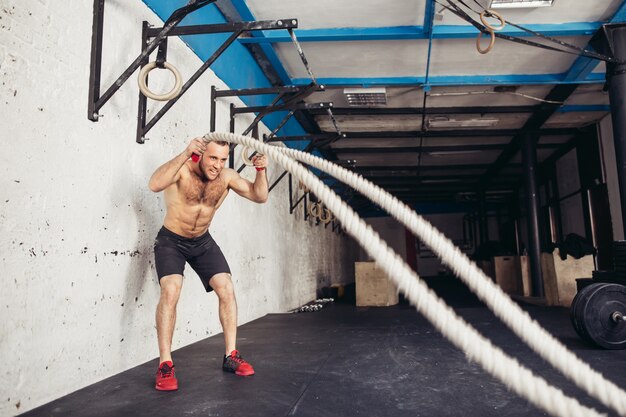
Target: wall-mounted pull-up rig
287,98
309,202
153,38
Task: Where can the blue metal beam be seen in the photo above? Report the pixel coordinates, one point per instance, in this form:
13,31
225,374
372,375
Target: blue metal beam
268,50
620,14
452,80
583,66
584,108
419,32
429,13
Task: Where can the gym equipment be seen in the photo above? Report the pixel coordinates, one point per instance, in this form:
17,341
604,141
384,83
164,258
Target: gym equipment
598,315
456,330
143,85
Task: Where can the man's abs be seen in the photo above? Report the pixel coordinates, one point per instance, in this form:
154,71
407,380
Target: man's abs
189,221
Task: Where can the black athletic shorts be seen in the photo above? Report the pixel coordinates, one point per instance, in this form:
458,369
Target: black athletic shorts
171,251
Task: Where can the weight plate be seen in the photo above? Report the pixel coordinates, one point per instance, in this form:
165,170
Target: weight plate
575,309
595,319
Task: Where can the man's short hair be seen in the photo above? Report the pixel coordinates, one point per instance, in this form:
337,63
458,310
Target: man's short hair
219,142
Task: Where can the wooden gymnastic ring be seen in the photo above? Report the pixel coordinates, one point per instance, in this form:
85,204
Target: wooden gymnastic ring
244,156
492,40
143,86
303,187
313,210
483,19
328,218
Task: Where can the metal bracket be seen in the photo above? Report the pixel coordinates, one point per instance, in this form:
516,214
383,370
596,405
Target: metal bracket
158,38
292,204
96,101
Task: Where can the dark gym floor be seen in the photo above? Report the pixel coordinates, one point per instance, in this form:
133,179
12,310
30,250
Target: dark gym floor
343,361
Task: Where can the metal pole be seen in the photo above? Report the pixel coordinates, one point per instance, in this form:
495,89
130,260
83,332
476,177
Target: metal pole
231,156
529,158
616,76
482,217
96,59
213,110
143,100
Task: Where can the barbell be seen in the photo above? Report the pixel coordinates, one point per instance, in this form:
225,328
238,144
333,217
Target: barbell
598,314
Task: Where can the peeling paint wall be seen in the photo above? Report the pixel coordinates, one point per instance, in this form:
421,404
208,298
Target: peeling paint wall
77,221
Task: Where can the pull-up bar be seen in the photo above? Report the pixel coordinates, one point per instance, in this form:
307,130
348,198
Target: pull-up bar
157,37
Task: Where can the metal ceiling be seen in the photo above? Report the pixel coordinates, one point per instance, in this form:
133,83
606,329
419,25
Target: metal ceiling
453,119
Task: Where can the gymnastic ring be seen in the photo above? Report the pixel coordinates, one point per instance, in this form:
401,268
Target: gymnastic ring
328,217
492,14
303,187
492,41
313,210
244,156
143,86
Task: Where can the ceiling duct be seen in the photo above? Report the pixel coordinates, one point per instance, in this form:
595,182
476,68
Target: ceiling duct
518,4
444,122
366,96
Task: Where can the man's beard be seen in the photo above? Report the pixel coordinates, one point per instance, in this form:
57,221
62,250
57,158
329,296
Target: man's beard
205,173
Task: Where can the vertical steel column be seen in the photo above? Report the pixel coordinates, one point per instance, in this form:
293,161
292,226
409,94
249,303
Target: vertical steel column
231,156
529,158
616,76
482,217
143,100
213,110
555,203
96,59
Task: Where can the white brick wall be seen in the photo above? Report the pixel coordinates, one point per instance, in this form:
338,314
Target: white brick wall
77,221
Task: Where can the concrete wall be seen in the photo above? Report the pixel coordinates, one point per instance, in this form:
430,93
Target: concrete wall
428,264
391,231
451,225
77,221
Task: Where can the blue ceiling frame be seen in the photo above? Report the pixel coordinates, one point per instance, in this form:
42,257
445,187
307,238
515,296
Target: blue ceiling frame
581,70
584,66
238,68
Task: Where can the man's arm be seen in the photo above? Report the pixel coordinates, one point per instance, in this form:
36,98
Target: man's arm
168,173
257,191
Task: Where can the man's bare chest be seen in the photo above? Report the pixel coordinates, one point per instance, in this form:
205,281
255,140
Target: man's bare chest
196,191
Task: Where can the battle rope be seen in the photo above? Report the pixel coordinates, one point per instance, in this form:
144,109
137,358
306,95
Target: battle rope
441,316
499,302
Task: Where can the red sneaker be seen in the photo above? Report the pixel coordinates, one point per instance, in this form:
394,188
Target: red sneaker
166,377
235,363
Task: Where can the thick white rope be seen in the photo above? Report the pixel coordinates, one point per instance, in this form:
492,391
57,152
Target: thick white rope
441,316
518,320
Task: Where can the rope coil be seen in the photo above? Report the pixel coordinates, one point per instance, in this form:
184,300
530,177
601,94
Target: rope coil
477,348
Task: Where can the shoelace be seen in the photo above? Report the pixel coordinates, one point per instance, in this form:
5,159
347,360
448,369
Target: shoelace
237,357
166,371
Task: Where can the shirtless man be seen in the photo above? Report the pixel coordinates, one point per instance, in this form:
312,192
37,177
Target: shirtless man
193,193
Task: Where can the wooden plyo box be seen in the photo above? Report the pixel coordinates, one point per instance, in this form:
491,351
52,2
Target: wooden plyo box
559,276
508,273
373,287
